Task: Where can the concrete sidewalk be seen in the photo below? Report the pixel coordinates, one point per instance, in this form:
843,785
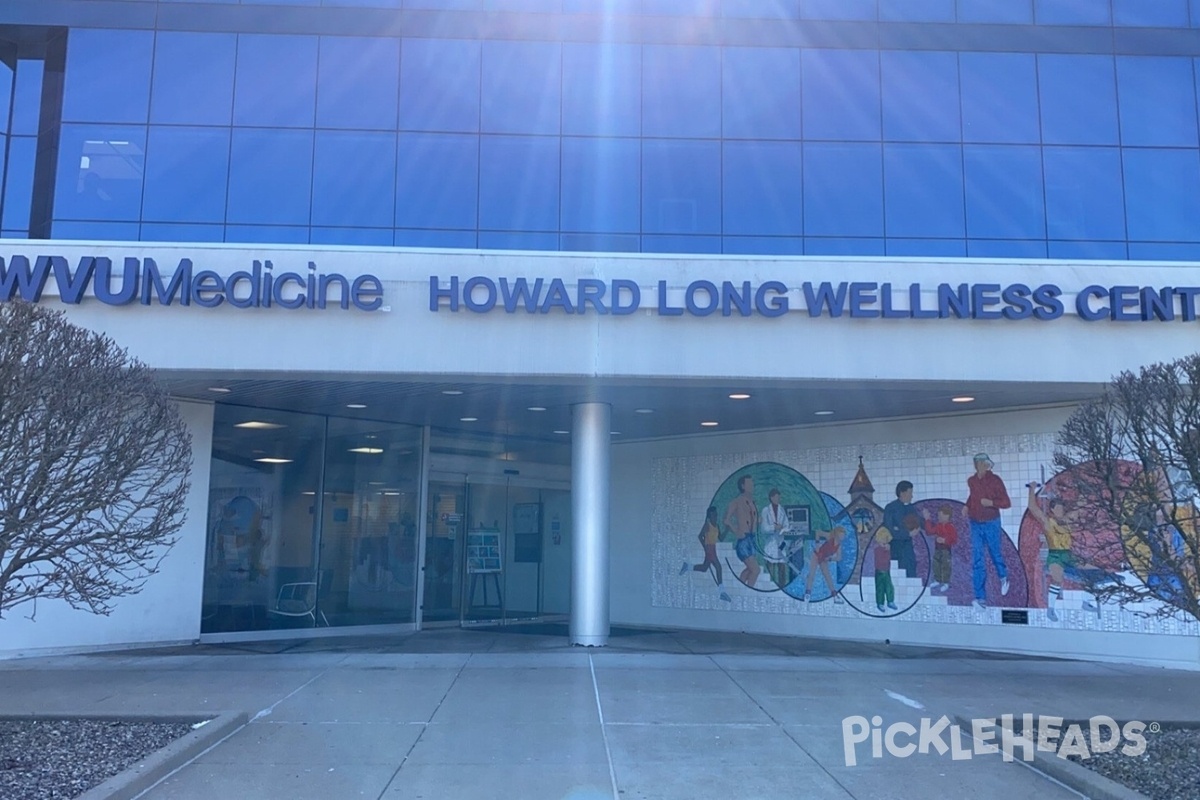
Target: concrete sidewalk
515,712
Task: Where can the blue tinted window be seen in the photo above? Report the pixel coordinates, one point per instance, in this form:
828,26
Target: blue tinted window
601,185
841,94
929,248
1078,99
923,190
610,6
99,173
431,238
999,97
681,91
108,76
843,190
837,9
521,87
1009,11
755,9
95,231
1164,251
270,177
1072,12
916,10
523,5
1004,192
833,246
920,96
358,237
1107,251
1162,194
187,170
437,180
667,8
354,179
358,83
442,5
1158,101
1084,195
18,184
180,232
518,183
602,89
439,85
601,242
760,93
506,240
1151,13
6,87
763,245
681,187
1005,248
27,97
193,78
276,81
677,243
762,191
266,234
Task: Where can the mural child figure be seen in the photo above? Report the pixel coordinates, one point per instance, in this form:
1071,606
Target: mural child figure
1060,561
710,532
830,549
987,495
945,535
885,592
893,519
741,519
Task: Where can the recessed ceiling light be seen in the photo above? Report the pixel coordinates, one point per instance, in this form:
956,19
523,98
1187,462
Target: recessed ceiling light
739,396
370,451
536,408
259,425
454,392
643,411
269,460
962,399
822,413
615,433
468,419
356,405
219,389
308,493
709,424
391,494
562,431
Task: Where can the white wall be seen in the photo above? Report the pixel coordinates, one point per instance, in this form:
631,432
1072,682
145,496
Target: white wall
166,610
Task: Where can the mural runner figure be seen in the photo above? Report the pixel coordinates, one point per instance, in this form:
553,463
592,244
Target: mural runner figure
829,550
710,532
741,519
1059,560
885,592
893,519
987,496
945,535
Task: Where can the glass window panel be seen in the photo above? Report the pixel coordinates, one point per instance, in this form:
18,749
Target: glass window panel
1151,13
1009,11
675,8
260,556
1004,192
529,6
508,240
354,179
1084,193
601,242
1078,99
439,85
923,190
358,237
681,187
14,234
100,169
108,75
1164,251
602,89
681,91
27,97
1162,194
266,234
6,95
437,181
842,246
270,177
1157,101
522,83
3,152
442,5
676,243
920,96
761,93
916,10
838,9
358,83
614,7
18,183
462,240
518,183
94,231
756,9
180,232
601,185
763,245
762,191
928,248
276,80
187,170
1105,251
999,97
1005,248
843,190
1072,12
193,78
841,94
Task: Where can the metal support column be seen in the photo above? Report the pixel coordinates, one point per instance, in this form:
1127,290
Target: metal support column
589,523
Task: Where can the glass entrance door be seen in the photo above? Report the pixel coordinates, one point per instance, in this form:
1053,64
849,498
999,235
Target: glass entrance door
445,551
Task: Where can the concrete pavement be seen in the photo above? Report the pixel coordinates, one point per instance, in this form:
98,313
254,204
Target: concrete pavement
515,712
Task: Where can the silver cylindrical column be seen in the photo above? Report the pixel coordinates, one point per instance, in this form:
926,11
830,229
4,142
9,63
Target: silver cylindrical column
589,523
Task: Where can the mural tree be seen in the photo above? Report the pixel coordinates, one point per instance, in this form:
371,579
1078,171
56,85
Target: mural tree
1131,461
94,465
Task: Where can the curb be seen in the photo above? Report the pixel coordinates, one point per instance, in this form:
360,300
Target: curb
1089,783
153,768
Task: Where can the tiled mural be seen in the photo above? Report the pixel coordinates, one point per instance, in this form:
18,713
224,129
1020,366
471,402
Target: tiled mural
953,530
